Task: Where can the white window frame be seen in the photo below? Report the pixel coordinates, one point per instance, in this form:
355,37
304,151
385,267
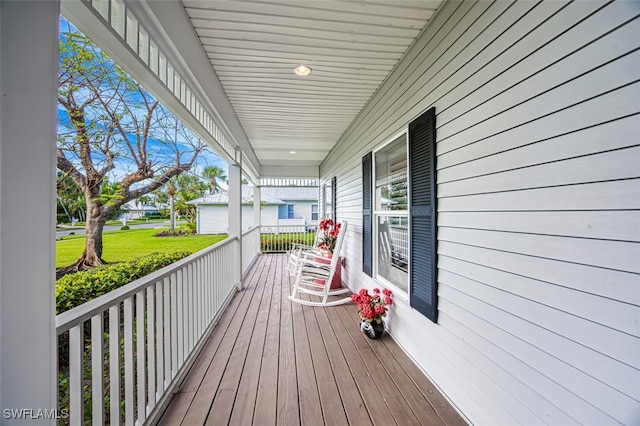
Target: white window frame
375,214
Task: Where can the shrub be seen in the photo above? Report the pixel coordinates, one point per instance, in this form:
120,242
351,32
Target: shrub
188,228
175,233
125,228
75,289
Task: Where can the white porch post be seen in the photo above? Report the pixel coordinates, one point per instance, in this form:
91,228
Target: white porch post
235,212
257,205
28,81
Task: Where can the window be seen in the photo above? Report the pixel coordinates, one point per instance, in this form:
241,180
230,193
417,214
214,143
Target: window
390,213
314,212
285,211
399,214
328,207
329,195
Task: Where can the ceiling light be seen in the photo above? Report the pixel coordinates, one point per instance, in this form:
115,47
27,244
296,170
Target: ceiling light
292,152
302,70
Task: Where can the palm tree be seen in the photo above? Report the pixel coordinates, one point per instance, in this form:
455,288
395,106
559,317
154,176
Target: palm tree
214,173
171,191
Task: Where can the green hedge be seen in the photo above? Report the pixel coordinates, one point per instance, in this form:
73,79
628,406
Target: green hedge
75,289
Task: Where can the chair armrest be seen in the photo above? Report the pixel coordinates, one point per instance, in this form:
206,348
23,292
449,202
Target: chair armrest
301,246
313,256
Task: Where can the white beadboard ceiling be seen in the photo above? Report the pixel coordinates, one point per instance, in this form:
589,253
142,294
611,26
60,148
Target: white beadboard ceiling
351,47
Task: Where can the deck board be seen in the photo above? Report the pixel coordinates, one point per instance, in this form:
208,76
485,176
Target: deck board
270,361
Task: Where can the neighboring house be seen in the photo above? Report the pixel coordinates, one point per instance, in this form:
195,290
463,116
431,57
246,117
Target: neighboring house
290,206
134,211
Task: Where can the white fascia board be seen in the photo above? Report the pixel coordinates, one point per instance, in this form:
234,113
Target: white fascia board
289,172
173,32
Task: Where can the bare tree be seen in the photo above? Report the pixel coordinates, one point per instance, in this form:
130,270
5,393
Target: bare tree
114,127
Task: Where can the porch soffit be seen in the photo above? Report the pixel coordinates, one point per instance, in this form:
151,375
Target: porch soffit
350,46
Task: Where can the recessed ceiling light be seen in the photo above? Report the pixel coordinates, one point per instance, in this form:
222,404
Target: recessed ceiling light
302,70
292,152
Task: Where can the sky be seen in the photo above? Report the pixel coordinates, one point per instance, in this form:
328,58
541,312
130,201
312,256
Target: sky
206,158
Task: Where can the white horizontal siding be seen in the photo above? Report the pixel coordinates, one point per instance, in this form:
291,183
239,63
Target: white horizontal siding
539,207
214,219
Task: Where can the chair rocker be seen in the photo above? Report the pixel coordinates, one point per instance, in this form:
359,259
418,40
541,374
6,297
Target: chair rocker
314,276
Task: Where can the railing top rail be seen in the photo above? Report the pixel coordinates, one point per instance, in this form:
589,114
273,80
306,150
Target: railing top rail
79,314
256,228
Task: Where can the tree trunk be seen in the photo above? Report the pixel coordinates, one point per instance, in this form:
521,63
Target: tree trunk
92,254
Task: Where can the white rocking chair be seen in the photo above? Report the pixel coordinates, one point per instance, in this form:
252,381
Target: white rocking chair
314,276
297,249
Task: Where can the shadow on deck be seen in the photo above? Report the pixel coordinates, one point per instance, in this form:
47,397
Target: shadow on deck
270,361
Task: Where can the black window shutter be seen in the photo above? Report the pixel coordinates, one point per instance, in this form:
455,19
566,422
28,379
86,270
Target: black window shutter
367,233
334,198
423,209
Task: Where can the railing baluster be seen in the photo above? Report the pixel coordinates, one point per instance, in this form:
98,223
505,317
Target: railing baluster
114,364
189,311
160,340
175,323
180,317
129,379
97,370
169,346
140,357
151,349
199,284
76,377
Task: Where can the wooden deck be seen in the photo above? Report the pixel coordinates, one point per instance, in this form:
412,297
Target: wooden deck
270,361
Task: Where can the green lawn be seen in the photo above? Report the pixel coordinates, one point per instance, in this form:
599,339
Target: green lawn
120,246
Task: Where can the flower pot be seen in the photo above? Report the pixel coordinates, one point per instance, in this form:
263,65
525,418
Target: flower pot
372,330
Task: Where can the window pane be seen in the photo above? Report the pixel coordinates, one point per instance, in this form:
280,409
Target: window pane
393,249
391,176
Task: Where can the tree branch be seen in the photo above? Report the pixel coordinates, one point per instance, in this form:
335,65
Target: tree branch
69,169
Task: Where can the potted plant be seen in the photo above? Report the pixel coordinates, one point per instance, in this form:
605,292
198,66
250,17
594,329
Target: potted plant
372,308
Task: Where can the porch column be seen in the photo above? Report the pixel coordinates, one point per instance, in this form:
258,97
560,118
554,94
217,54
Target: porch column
28,82
257,205
235,213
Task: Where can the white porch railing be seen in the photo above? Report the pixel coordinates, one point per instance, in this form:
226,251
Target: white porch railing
279,238
128,346
250,248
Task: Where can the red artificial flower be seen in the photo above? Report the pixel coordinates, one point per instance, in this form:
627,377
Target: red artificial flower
372,308
325,224
334,233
